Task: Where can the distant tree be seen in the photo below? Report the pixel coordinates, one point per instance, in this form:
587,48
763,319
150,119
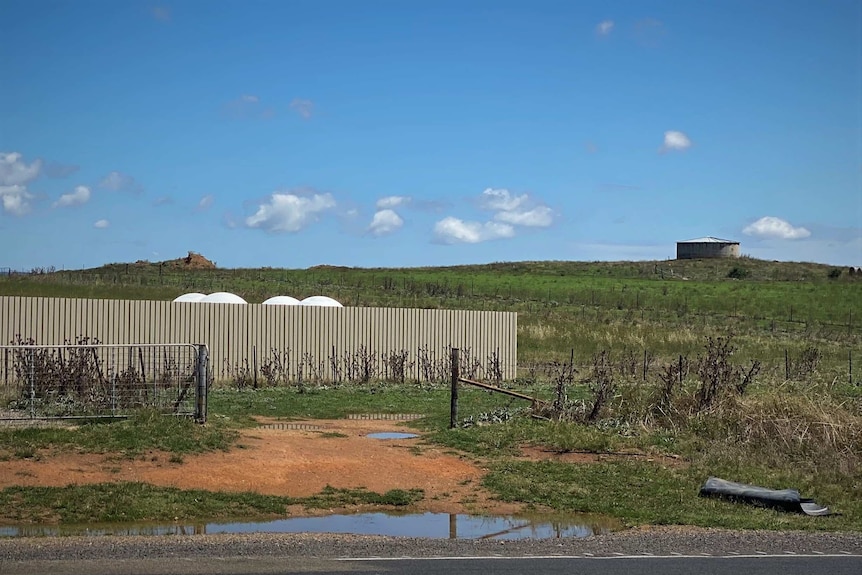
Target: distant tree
834,273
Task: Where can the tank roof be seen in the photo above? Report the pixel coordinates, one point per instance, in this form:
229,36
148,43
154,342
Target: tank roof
708,240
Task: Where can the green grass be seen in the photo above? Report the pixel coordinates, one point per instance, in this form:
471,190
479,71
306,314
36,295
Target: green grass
785,292
140,502
316,403
132,437
647,493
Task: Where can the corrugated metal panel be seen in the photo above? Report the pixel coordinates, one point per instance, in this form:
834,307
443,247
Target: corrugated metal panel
299,333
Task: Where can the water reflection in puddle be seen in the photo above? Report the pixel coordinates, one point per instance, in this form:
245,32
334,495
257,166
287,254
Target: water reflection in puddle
430,525
391,435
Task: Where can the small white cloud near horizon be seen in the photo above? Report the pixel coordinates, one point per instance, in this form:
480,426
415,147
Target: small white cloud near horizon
605,27
120,182
511,211
79,197
390,202
289,212
15,174
770,227
16,199
385,222
206,202
101,224
675,140
517,210
305,108
455,231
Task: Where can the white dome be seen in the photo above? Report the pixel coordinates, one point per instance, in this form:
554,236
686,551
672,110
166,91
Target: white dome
320,300
281,300
187,297
222,297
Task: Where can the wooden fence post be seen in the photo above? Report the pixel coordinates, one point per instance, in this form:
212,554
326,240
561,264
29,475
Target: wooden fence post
254,363
645,367
453,407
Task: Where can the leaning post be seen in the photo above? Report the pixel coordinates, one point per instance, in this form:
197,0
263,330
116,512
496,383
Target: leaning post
453,409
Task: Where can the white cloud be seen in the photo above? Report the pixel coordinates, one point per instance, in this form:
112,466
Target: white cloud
13,171
389,202
385,222
674,140
604,28
538,217
453,231
775,228
16,199
101,224
288,212
80,196
15,174
516,210
206,202
249,99
305,108
501,199
120,182
510,211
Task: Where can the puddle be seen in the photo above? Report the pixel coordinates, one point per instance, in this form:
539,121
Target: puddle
429,525
391,435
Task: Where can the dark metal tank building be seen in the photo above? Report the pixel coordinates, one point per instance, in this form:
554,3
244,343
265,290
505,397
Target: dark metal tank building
707,247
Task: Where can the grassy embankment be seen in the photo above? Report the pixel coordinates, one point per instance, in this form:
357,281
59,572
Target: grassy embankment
802,431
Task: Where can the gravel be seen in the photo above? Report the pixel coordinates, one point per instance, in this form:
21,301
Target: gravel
645,541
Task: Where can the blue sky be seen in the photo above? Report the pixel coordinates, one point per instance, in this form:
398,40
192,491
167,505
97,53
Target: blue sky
411,133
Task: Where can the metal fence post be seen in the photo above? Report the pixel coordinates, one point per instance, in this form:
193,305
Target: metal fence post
453,407
202,379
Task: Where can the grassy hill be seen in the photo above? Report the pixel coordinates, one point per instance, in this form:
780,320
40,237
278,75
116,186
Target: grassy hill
664,308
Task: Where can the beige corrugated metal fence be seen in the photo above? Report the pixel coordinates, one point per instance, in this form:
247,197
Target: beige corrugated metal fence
237,334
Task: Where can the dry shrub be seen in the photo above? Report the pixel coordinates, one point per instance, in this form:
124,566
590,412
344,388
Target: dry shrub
718,376
806,430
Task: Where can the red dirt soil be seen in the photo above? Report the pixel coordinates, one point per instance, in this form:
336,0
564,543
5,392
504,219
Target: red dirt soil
286,462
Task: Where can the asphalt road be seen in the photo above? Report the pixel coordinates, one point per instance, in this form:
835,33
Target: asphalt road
656,551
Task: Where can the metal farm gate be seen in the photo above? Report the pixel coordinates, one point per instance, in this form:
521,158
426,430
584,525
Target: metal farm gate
102,380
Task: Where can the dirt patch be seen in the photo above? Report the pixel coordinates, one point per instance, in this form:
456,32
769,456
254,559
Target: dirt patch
288,462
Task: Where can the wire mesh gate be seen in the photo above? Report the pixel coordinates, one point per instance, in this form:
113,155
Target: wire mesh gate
103,380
